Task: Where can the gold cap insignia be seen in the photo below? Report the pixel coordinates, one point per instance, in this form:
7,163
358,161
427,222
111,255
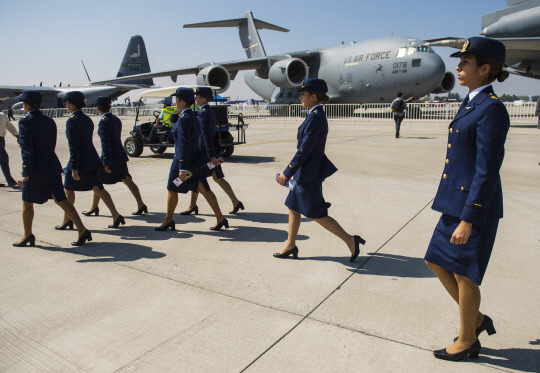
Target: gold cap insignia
465,46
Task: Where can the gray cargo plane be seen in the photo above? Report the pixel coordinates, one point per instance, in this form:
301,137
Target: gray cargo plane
518,28
369,71
135,61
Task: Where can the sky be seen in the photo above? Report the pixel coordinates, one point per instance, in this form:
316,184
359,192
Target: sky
45,41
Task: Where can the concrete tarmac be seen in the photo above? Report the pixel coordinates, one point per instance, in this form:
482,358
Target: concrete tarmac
193,300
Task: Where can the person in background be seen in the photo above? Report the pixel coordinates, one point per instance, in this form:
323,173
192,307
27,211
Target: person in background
398,107
81,172
6,125
167,117
211,150
41,170
470,195
113,157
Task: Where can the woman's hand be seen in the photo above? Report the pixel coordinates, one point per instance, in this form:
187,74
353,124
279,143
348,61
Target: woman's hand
21,181
282,179
75,175
108,170
182,175
462,233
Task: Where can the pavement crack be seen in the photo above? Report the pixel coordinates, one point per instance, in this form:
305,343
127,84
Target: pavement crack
307,316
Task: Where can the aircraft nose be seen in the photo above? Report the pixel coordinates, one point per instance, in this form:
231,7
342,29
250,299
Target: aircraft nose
433,71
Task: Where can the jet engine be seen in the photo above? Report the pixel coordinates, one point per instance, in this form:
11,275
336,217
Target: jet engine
288,73
214,75
447,83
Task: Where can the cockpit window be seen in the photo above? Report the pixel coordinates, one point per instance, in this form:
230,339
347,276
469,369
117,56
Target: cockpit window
411,50
425,48
402,52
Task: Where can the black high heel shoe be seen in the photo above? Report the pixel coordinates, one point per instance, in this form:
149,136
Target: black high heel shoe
119,219
239,206
222,223
141,210
293,252
357,241
192,209
30,239
486,325
86,236
69,225
473,352
93,211
170,224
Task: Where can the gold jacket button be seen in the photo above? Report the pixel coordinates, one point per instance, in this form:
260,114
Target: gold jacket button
449,146
446,161
450,130
462,188
444,176
457,131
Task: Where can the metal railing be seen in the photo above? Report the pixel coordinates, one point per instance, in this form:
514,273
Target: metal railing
524,113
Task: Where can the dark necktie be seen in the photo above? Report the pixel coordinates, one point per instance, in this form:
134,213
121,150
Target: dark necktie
464,103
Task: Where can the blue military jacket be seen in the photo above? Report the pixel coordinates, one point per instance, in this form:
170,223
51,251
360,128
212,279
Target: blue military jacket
110,131
310,164
37,139
470,186
186,142
79,132
209,142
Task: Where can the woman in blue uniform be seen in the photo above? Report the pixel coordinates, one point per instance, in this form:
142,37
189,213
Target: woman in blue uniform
187,172
42,171
81,172
113,157
309,167
470,194
211,150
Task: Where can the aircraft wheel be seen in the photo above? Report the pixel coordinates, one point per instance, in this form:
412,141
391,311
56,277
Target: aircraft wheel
158,149
133,147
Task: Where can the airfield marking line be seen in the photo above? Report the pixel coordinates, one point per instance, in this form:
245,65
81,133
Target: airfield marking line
337,288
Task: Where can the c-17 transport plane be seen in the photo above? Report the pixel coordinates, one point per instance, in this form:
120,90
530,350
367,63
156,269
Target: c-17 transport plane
370,71
135,61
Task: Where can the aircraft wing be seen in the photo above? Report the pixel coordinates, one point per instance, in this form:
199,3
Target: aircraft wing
10,91
231,66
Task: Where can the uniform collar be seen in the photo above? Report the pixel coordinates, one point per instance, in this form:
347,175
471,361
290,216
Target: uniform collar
473,93
204,105
314,108
183,111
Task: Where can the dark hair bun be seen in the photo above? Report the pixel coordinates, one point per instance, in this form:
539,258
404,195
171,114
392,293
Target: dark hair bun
503,75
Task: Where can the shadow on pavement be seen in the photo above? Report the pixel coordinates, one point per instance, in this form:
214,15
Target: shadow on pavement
380,264
521,359
109,252
264,217
249,234
250,159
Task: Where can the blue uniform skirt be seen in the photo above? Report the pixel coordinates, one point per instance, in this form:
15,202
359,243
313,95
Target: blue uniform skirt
89,179
308,200
40,190
119,173
190,184
218,170
469,260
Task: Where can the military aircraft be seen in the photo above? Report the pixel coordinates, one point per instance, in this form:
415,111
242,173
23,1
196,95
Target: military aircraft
135,61
518,28
370,71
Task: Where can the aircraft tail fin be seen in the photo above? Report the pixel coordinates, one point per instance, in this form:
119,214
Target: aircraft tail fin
248,29
135,62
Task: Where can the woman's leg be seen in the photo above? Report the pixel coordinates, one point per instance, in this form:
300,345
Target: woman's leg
27,218
172,202
95,202
134,189
72,214
227,188
212,201
294,225
193,202
331,225
70,195
106,197
448,280
469,304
